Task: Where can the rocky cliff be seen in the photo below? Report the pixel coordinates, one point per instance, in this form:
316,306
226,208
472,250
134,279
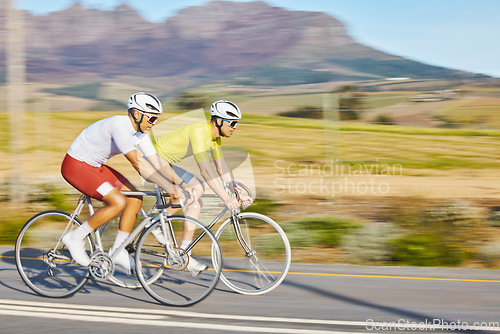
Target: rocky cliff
221,39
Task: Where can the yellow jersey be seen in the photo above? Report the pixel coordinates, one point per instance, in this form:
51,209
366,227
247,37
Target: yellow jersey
194,139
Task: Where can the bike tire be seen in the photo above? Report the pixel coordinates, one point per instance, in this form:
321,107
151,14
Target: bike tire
268,263
177,286
42,260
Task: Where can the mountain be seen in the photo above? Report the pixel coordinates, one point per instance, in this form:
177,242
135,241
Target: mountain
248,42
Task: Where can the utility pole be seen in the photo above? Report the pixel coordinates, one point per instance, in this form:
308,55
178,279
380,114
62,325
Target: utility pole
16,79
331,138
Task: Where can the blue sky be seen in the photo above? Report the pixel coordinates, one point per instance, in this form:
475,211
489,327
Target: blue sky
460,34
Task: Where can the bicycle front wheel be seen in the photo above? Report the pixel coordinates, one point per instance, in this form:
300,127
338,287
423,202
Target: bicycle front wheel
257,254
187,275
42,260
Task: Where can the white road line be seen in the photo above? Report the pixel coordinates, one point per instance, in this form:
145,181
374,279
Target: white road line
155,317
184,313
81,312
54,314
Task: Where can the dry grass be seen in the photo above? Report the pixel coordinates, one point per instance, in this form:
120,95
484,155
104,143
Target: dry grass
279,143
290,154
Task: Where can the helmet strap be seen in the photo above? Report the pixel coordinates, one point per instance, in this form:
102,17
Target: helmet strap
137,122
219,127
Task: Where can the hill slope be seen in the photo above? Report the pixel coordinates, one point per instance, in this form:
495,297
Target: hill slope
250,40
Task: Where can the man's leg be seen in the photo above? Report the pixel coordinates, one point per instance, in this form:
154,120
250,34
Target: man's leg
129,215
127,220
115,203
193,210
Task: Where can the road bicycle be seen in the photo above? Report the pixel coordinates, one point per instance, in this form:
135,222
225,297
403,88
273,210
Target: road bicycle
46,266
256,250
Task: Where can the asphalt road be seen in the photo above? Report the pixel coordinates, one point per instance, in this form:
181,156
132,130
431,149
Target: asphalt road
312,299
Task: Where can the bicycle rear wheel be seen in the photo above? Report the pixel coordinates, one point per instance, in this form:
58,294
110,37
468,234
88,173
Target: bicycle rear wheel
42,260
265,263
179,283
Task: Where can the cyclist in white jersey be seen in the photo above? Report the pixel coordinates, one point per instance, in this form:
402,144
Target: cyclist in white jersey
84,168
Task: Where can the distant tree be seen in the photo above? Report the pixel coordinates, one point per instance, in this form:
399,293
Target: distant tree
447,122
347,89
384,120
305,112
350,102
191,100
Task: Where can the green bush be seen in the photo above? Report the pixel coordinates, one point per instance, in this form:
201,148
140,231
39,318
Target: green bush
490,253
326,231
455,219
55,198
263,205
270,244
371,243
436,234
298,237
9,229
494,217
428,249
44,197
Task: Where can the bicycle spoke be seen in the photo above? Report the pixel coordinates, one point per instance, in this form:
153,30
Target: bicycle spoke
47,270
178,284
256,253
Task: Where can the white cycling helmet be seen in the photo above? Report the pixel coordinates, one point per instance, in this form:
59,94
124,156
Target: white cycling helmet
145,102
225,109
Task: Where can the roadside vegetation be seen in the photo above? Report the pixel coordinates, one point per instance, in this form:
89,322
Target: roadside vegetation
425,233
435,228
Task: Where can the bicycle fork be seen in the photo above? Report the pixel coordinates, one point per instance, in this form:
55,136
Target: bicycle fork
168,234
249,252
176,257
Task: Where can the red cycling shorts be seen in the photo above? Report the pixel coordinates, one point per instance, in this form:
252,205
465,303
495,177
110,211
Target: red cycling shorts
95,182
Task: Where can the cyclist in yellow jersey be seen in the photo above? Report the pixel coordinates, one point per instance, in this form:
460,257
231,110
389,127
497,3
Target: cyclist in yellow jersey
195,139
203,141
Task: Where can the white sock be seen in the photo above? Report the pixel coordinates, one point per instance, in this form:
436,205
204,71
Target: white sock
81,232
120,238
184,245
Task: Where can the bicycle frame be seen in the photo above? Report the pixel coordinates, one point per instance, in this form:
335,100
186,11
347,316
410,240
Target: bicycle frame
168,273
151,217
235,223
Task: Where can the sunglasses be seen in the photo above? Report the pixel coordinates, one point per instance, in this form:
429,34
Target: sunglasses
151,119
232,123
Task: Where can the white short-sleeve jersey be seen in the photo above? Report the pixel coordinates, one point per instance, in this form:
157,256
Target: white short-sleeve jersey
107,138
